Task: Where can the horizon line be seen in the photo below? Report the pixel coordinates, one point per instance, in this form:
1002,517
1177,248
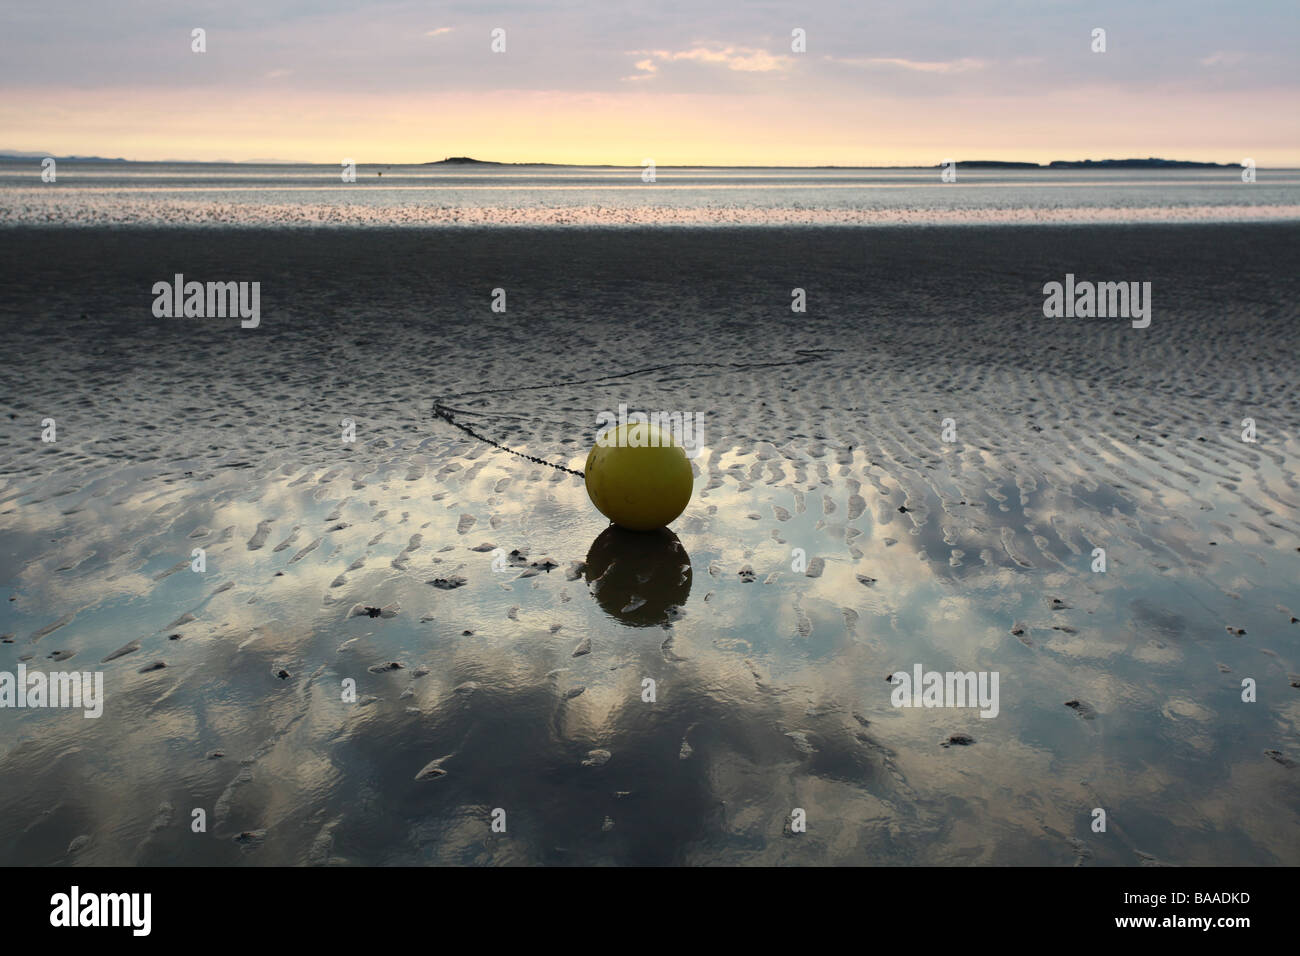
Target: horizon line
22,155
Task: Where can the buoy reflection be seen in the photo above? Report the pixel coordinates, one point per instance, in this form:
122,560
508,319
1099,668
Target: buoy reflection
638,577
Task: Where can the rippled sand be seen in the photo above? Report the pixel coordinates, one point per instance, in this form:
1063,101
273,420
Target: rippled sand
520,687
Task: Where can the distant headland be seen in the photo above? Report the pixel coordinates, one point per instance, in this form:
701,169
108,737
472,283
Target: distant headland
1149,163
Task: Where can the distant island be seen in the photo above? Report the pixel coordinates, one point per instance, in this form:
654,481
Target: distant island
469,161
15,154
462,161
1151,163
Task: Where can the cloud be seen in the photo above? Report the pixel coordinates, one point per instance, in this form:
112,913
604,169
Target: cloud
648,70
438,32
1223,58
917,66
742,59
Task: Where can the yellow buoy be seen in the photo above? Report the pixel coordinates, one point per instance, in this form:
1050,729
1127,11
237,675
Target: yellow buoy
638,477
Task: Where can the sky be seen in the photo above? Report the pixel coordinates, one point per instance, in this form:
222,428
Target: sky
678,83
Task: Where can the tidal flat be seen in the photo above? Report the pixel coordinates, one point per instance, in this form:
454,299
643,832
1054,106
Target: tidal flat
394,638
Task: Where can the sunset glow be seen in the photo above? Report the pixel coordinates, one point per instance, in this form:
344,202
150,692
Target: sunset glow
389,85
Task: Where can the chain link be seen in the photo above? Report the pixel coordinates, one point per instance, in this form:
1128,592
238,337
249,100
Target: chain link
448,416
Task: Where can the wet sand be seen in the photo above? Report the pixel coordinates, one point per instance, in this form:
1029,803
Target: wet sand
98,195
521,687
